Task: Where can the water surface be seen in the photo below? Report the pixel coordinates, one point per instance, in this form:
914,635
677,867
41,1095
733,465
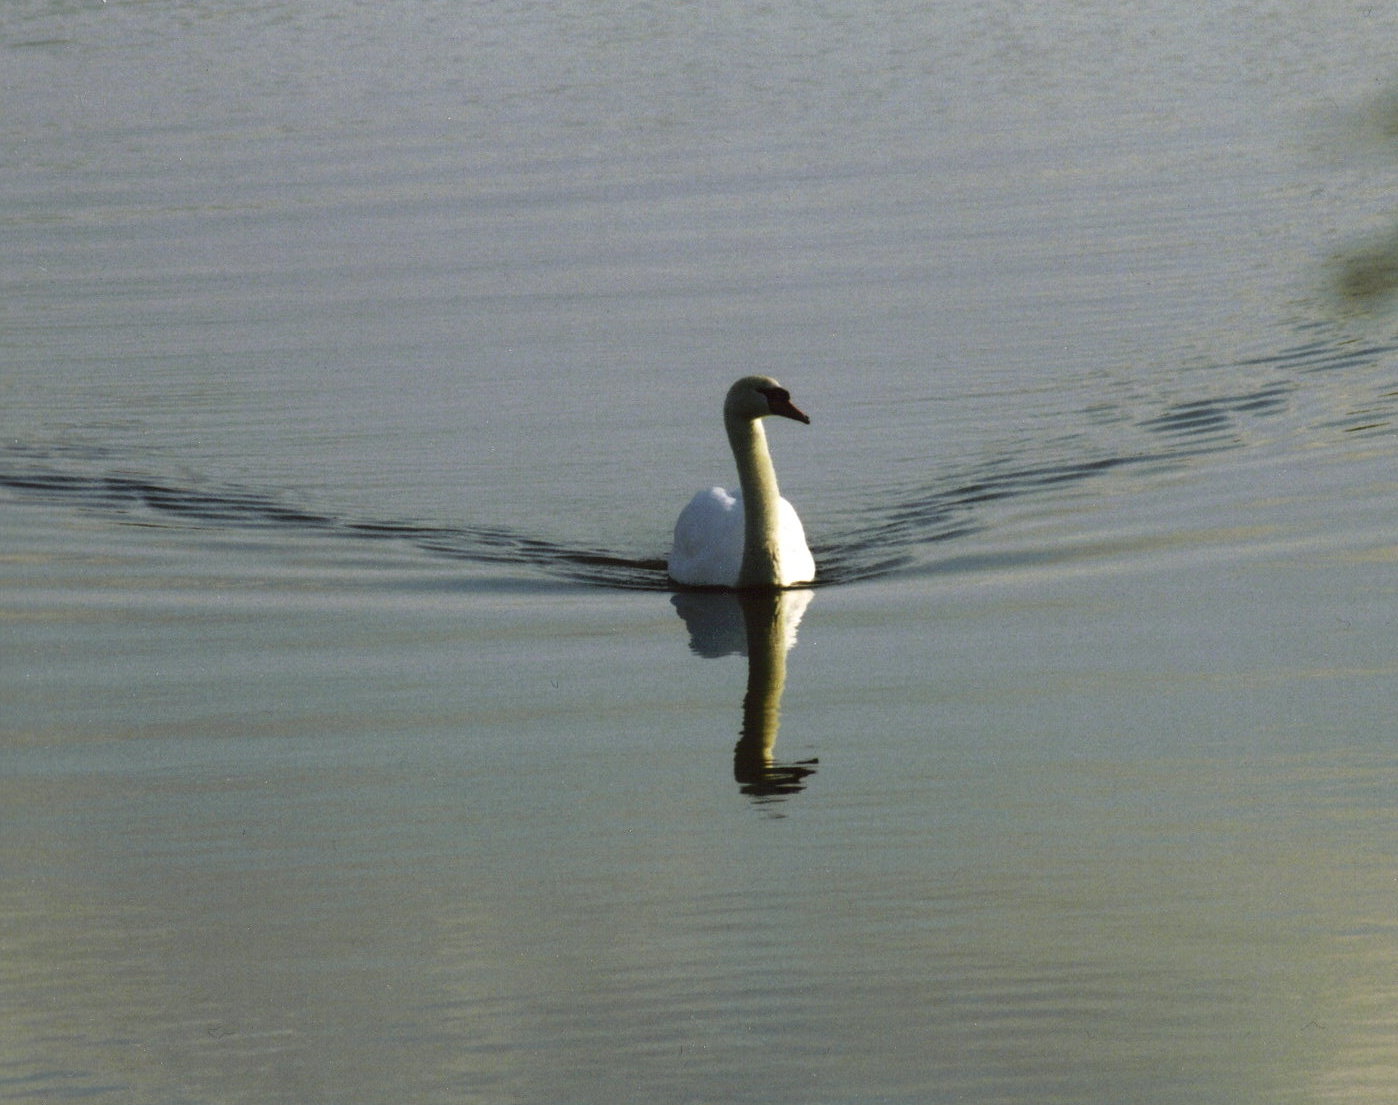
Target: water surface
355,364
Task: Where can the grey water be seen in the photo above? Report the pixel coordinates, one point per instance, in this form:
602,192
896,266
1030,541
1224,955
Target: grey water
355,361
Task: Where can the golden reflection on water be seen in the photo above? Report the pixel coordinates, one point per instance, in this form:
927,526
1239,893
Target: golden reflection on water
1364,1066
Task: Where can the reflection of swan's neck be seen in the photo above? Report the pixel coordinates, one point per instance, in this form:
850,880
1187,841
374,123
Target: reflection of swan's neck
770,618
765,617
761,495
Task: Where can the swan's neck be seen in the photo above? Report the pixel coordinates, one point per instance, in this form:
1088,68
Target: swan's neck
761,495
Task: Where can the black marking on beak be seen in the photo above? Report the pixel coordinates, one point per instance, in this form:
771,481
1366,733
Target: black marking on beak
779,402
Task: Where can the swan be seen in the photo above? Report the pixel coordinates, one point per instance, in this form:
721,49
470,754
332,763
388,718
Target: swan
753,537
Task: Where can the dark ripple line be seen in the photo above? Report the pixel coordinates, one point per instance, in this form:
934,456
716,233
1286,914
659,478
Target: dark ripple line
1189,428
1217,416
122,493
890,540
1320,356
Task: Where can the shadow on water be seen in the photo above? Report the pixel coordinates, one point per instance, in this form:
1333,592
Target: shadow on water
760,625
1364,274
898,533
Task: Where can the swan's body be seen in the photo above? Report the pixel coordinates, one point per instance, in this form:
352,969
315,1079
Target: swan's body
751,537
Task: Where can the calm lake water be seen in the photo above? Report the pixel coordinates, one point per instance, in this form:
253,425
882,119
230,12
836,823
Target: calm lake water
355,361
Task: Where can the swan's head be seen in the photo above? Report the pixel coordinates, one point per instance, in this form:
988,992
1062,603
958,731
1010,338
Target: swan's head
755,397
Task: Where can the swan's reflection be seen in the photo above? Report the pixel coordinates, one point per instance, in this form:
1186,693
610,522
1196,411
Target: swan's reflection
760,625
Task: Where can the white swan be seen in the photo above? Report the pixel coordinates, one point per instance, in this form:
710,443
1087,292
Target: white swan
751,538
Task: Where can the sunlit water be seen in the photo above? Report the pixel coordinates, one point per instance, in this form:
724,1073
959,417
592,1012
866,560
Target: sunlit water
356,361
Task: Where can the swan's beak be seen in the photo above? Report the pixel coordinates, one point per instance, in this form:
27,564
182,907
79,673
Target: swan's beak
782,405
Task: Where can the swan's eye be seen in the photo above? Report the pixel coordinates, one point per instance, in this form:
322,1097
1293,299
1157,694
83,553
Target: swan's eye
776,395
